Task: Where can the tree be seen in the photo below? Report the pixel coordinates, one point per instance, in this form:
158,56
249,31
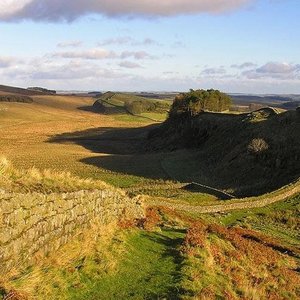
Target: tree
196,101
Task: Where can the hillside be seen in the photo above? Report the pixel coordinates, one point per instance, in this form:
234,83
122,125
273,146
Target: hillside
248,154
4,89
68,256
120,103
246,102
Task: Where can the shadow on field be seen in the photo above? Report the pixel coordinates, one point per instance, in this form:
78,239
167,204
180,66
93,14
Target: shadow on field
107,140
121,149
88,108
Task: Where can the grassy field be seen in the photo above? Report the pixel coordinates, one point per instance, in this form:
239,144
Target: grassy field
27,128
59,133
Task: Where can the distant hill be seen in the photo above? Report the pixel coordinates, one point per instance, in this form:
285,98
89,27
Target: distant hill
42,90
4,89
114,103
249,153
289,102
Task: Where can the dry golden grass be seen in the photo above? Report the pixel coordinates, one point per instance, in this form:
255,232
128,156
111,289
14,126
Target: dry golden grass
46,181
25,130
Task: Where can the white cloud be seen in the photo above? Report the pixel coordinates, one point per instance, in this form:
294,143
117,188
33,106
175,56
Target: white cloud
76,73
71,44
56,10
129,65
136,54
214,71
40,69
5,62
245,65
9,8
93,54
100,53
127,40
277,68
274,70
116,41
146,42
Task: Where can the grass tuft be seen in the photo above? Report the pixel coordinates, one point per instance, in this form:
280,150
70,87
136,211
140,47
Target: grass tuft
46,181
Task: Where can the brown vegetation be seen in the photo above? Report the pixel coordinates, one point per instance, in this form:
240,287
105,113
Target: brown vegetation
152,219
237,263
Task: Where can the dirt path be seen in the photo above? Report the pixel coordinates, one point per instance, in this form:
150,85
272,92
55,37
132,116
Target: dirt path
247,203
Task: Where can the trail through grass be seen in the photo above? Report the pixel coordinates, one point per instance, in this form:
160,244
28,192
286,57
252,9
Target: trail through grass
150,269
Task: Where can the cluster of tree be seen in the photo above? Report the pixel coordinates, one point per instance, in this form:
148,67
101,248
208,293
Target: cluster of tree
42,90
196,101
139,107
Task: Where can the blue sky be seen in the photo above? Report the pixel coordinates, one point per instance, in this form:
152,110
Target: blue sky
249,46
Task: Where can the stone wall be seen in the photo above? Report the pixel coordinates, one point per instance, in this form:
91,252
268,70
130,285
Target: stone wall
37,223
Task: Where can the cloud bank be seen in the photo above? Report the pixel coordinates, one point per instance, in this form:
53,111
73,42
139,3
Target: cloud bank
275,70
69,10
99,53
89,69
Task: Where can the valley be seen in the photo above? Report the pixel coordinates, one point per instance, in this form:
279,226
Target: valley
191,243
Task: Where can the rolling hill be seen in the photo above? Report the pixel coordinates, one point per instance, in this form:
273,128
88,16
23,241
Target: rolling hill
248,153
4,90
120,103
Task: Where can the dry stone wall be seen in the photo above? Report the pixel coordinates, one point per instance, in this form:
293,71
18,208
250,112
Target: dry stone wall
34,222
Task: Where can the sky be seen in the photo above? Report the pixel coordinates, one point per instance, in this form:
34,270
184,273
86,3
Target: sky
237,46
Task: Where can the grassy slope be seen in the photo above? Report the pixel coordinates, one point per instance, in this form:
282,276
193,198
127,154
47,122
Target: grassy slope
27,129
116,104
132,265
280,220
220,263
224,156
236,263
4,90
148,270
213,262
